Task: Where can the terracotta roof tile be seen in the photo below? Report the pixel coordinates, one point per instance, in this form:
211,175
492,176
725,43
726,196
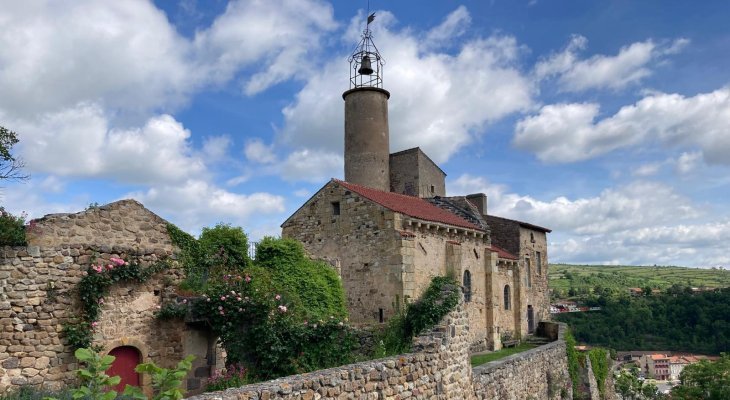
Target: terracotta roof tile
412,206
502,253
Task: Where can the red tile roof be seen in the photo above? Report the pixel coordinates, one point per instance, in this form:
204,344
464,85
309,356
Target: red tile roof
502,253
412,206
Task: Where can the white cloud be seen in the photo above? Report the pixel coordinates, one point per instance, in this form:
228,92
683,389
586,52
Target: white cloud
568,132
79,142
126,55
639,223
629,66
197,203
647,169
311,166
216,147
454,25
257,151
459,93
687,162
278,37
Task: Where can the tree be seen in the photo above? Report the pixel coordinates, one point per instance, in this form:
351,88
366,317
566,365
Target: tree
705,380
10,166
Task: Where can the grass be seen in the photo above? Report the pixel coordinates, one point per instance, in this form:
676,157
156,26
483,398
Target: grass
564,276
485,358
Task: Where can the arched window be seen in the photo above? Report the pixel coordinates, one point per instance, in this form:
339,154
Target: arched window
467,286
507,298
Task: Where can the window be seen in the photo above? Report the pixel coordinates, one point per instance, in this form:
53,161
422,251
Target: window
528,268
467,286
433,189
532,237
507,298
381,315
335,208
539,263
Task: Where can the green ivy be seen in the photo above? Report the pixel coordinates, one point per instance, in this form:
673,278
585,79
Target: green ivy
573,362
94,286
599,364
189,256
440,298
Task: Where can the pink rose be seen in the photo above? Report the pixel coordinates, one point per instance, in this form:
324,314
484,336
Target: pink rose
277,297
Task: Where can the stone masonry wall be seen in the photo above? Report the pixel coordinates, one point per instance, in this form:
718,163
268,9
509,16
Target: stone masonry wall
539,373
438,369
360,242
38,294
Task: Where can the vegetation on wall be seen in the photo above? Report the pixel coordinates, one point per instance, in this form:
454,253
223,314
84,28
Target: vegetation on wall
574,364
677,320
92,288
600,366
440,298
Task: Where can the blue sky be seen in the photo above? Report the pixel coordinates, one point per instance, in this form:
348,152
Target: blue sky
605,121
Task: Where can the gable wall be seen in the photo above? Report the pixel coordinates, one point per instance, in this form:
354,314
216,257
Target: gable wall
361,243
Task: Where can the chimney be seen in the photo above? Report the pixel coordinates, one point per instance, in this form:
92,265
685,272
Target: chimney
479,200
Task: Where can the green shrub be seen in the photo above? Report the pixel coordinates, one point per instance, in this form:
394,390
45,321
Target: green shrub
233,376
12,229
224,249
34,393
314,286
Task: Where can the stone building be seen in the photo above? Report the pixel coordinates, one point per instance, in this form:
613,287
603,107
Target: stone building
388,228
38,294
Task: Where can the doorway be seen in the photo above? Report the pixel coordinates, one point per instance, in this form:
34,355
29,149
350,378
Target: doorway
126,360
530,320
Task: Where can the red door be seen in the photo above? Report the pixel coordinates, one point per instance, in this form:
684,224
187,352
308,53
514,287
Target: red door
127,358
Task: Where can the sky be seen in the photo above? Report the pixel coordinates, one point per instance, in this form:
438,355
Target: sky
607,122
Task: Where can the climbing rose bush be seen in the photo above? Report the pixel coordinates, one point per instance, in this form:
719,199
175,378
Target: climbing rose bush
264,332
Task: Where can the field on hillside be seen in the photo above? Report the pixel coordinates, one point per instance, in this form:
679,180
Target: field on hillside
565,276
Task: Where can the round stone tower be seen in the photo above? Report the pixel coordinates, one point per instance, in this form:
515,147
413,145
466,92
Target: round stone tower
367,147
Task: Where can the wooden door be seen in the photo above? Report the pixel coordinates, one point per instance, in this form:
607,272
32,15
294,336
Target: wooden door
127,358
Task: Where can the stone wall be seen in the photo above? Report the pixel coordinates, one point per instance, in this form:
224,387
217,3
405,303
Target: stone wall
539,373
125,224
360,241
38,294
438,369
414,174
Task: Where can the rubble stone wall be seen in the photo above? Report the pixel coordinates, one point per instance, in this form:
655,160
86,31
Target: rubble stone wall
438,369
539,373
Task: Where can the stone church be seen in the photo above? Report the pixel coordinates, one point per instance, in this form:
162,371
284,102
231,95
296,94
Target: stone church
389,227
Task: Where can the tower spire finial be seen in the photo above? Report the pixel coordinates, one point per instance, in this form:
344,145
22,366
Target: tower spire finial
366,63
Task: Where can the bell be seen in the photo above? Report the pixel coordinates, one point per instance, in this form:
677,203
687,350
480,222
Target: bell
365,67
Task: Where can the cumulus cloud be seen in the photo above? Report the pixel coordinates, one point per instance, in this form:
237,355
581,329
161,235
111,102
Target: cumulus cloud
440,100
569,132
311,166
79,142
629,66
257,151
125,55
216,147
641,222
197,203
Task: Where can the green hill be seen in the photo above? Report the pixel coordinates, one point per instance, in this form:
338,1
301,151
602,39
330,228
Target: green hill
585,278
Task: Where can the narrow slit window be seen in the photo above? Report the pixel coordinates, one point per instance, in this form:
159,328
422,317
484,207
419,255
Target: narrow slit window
335,208
381,315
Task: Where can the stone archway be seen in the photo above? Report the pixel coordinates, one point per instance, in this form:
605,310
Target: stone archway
126,360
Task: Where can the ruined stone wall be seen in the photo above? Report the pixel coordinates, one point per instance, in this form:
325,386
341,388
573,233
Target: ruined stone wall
360,242
38,294
125,224
539,373
438,369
